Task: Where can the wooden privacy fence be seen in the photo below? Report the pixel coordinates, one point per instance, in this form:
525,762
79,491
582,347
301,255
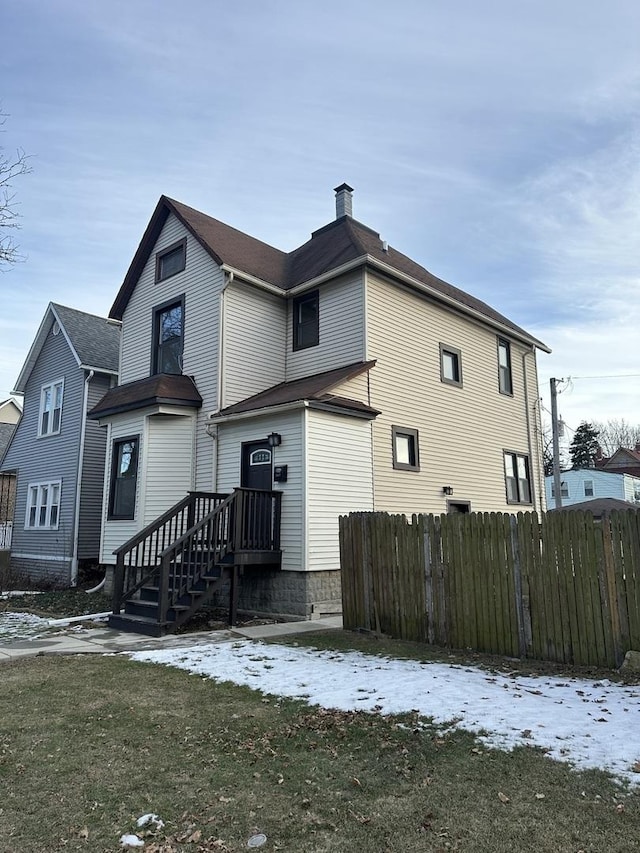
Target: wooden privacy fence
559,587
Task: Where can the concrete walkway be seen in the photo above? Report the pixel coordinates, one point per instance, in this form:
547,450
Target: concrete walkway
102,640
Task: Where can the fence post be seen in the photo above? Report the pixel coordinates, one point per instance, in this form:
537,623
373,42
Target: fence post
517,586
428,578
610,587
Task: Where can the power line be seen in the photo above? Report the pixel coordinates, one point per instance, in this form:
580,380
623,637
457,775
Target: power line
610,376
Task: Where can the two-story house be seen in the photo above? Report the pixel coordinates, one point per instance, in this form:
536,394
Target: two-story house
340,376
10,412
56,454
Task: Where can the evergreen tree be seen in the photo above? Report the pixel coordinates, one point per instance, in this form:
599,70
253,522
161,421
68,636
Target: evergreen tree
584,446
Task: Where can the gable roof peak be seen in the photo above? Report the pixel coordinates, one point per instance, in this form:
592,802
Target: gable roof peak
93,341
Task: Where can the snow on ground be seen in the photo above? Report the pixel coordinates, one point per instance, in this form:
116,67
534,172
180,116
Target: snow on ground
588,724
21,626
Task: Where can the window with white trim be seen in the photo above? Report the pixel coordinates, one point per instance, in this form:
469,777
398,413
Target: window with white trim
588,488
517,478
43,505
51,408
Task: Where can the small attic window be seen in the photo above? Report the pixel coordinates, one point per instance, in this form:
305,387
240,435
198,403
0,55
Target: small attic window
171,260
55,331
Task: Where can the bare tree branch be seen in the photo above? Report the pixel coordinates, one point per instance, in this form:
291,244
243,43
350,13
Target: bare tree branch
614,434
11,167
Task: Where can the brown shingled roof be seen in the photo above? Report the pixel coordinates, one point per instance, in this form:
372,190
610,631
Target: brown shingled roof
314,388
171,389
340,242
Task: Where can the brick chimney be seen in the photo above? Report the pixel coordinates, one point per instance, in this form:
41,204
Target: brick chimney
344,201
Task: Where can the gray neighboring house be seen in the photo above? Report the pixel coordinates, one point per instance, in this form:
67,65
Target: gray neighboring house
10,413
57,454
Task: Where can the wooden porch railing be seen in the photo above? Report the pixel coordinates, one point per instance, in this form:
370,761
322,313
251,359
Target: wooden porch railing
191,538
138,559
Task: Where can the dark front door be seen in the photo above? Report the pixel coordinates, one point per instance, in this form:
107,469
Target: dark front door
256,466
257,473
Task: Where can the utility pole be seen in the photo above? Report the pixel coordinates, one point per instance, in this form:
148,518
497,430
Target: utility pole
557,486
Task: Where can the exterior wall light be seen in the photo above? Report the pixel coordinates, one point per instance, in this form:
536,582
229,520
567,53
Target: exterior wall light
274,439
447,490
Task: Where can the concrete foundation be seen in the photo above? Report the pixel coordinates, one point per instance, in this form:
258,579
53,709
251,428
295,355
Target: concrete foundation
306,595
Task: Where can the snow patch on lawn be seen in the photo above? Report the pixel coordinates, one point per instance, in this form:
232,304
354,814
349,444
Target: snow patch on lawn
588,724
21,626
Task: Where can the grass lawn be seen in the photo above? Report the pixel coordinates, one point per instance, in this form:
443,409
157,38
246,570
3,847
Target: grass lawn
89,744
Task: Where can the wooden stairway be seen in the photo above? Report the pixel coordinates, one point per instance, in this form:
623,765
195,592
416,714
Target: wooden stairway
172,568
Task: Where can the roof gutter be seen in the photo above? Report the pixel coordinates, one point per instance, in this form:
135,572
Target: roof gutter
392,272
453,303
252,279
254,413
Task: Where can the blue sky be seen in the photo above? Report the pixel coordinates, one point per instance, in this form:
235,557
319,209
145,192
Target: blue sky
496,143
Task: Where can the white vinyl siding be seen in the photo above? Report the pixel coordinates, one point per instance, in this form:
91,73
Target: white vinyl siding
169,463
356,388
339,481
165,471
463,430
116,531
254,334
341,330
230,439
201,282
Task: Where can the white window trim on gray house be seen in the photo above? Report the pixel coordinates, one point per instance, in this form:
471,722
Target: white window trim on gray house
49,399
43,505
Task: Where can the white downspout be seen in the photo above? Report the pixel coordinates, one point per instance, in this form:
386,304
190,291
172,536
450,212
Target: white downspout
228,276
535,485
76,516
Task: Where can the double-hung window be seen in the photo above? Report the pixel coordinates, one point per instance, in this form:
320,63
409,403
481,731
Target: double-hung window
51,408
450,365
306,320
171,260
43,505
588,488
406,456
168,337
124,478
517,478
505,379
564,489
